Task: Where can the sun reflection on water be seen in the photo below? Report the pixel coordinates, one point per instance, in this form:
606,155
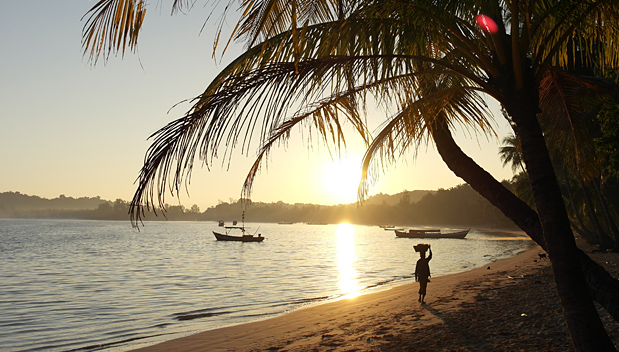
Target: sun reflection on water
346,258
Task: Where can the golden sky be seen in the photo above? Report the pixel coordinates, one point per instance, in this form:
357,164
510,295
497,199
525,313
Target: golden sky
69,128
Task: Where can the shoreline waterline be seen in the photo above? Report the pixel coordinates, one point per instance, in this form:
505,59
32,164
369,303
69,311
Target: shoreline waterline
97,285
370,290
312,324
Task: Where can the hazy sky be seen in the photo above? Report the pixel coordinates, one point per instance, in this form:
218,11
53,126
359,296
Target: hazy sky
69,128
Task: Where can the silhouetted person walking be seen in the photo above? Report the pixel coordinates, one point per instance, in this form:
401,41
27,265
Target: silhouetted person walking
422,273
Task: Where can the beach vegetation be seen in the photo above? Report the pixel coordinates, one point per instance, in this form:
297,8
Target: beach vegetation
432,64
589,191
465,208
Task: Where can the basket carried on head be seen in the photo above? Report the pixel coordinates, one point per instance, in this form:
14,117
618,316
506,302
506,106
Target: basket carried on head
421,247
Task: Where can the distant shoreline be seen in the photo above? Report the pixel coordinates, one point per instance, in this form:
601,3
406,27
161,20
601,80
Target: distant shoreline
458,206
515,230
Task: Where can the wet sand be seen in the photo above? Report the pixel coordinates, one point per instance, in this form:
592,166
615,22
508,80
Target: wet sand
510,305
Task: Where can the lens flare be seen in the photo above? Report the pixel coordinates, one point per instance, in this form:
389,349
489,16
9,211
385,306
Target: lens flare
486,24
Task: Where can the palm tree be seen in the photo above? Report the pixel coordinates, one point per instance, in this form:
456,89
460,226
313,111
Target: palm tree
510,153
571,169
316,63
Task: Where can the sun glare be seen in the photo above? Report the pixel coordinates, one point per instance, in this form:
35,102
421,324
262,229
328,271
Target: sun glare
341,179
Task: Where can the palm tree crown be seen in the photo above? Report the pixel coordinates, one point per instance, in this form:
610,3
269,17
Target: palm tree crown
511,153
317,63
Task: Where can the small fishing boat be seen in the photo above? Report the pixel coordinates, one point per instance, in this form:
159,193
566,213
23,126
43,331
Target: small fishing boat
244,237
430,233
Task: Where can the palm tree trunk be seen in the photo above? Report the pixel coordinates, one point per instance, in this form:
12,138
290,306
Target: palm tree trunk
586,329
603,286
485,184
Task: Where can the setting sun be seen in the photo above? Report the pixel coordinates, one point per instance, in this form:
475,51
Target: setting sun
341,180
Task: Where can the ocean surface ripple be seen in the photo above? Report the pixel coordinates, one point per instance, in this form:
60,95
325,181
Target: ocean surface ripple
77,285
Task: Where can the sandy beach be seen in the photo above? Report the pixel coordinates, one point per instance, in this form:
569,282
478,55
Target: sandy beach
510,305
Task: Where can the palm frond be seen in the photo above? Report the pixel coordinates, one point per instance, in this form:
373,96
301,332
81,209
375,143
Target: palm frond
569,104
448,27
315,61
111,27
325,117
511,153
565,29
411,127
266,19
259,101
180,5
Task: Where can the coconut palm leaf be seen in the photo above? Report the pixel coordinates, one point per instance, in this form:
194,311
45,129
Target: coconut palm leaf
266,19
233,114
392,38
112,26
268,90
562,23
325,118
455,103
569,104
511,153
425,59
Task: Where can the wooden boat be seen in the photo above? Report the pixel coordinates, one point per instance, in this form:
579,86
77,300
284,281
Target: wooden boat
244,237
432,233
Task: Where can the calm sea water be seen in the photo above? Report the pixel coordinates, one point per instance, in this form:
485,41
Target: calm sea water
71,285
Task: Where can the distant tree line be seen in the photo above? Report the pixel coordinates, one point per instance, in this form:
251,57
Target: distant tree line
18,205
459,205
455,206
16,202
